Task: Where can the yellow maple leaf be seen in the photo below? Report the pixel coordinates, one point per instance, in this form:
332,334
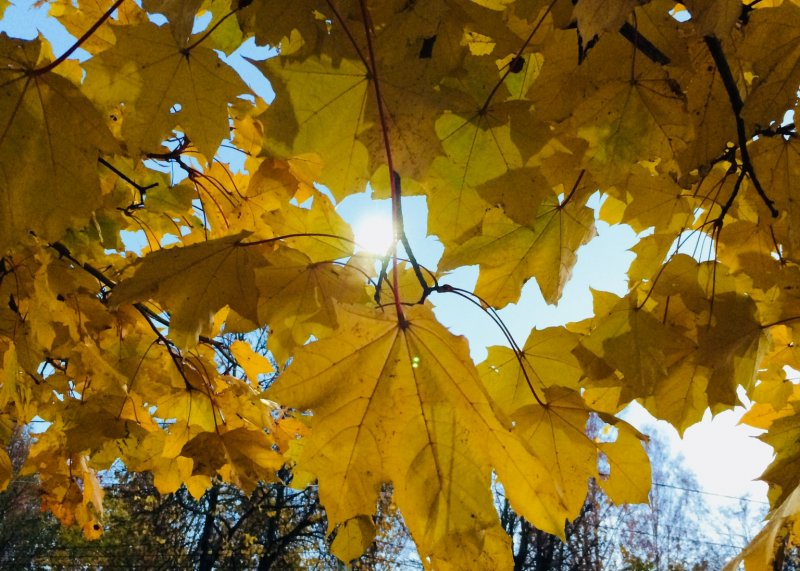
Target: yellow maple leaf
544,249
353,537
219,272
638,115
403,403
326,100
40,113
596,16
241,456
774,65
637,344
149,74
548,360
253,364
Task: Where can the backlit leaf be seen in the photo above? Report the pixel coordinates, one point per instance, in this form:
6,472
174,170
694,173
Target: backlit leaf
411,384
221,272
161,88
36,110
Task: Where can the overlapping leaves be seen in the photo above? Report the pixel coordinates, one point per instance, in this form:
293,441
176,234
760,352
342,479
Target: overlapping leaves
140,261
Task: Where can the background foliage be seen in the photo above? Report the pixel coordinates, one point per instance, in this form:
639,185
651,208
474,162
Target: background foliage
508,117
279,528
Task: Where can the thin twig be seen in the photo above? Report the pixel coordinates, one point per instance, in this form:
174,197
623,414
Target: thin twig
381,278
64,252
516,57
717,223
88,34
141,189
401,231
574,188
735,98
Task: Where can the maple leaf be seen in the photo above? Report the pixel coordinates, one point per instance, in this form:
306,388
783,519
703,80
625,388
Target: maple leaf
594,17
353,537
326,102
222,272
253,363
242,456
78,19
148,74
547,359
35,109
776,69
411,413
630,118
545,248
634,342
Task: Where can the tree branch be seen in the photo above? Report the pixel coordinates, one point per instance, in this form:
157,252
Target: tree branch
735,98
630,33
88,34
140,188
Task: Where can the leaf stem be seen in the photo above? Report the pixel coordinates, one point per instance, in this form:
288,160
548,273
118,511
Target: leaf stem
401,230
88,34
780,322
297,235
574,188
493,315
516,57
208,32
393,178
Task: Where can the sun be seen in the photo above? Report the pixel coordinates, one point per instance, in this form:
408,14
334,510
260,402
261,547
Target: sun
374,234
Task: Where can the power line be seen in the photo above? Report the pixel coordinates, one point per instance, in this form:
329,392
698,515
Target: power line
699,541
705,493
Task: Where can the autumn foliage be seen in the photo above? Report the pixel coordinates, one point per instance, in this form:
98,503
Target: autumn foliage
137,261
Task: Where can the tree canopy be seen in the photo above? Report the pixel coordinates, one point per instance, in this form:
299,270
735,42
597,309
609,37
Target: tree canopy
508,116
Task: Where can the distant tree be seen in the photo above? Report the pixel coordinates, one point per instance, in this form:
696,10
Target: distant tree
665,535
275,527
25,531
536,550
668,534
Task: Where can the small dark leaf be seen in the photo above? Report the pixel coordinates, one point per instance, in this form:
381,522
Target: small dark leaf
427,48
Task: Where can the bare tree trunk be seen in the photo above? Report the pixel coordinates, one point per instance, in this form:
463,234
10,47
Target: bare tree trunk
521,556
206,553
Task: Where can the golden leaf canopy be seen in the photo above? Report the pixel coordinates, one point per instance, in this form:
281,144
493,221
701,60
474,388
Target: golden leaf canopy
178,291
